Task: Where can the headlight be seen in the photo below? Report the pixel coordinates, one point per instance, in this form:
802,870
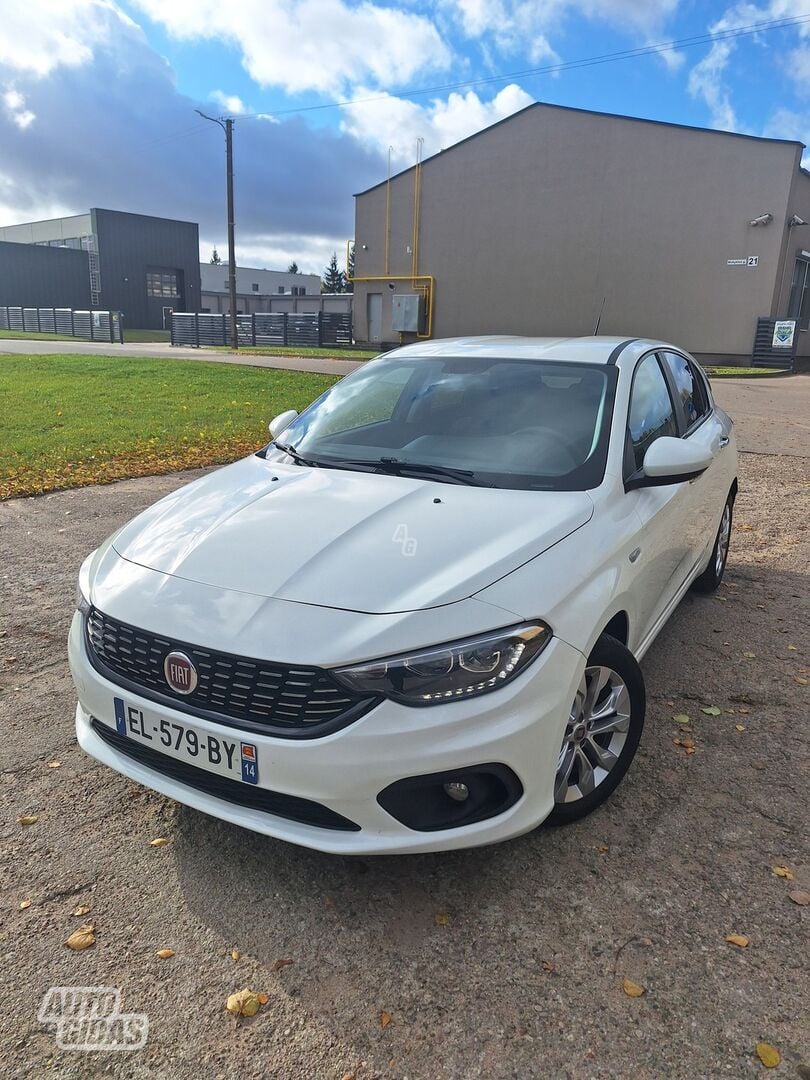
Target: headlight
83,586
463,669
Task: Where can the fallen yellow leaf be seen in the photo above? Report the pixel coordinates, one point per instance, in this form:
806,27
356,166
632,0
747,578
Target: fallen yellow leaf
54,764
243,1003
263,998
743,712
737,939
82,938
159,841
710,710
768,1055
749,655
602,848
681,718
385,1019
24,904
441,919
164,954
28,819
632,989
782,871
82,909
739,727
800,897
792,648
235,954
801,680
745,528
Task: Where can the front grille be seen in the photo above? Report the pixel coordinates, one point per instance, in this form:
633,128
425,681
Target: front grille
221,787
297,703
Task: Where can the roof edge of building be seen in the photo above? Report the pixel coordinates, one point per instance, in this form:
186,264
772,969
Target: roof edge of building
587,112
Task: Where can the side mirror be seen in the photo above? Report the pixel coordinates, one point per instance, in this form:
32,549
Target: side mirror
281,422
671,461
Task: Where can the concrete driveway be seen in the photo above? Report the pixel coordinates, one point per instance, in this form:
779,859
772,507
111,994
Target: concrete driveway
523,978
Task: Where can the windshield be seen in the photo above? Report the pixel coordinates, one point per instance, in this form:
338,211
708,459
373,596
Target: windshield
480,420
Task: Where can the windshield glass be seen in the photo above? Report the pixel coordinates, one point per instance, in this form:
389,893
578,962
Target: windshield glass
491,421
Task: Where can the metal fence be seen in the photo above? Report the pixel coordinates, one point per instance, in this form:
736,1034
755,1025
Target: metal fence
263,328
88,325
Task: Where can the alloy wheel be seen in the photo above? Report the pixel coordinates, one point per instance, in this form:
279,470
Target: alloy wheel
594,735
723,539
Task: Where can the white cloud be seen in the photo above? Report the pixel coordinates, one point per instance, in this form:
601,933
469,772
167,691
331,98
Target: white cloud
272,252
398,123
16,111
318,45
39,35
706,81
232,104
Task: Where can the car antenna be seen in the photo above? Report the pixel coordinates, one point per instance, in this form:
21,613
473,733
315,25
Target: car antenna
599,317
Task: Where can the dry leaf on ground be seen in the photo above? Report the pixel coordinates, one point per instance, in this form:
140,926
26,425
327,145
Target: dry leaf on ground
739,727
441,919
279,964
82,909
710,710
235,954
263,998
24,904
738,939
548,965
800,897
768,1055
681,718
82,938
243,1003
782,871
28,819
385,1019
632,989
159,841
54,764
164,954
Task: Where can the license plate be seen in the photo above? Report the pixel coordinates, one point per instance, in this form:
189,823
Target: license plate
228,757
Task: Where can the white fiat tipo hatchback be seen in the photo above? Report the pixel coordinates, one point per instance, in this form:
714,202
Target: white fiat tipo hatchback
413,620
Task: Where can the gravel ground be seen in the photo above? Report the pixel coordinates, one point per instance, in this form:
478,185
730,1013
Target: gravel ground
524,976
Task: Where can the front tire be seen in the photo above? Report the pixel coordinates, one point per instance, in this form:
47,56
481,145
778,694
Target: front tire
711,577
602,733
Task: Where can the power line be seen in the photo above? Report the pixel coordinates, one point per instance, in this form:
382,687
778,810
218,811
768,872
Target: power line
549,69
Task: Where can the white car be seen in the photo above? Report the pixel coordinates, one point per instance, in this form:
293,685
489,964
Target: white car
414,620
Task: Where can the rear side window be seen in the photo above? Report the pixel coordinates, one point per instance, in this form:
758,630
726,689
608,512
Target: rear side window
651,414
690,393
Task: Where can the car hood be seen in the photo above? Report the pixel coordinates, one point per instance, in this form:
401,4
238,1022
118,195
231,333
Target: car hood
359,541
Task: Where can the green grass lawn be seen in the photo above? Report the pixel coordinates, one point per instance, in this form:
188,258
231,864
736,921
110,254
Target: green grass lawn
67,421
326,351
131,334
740,372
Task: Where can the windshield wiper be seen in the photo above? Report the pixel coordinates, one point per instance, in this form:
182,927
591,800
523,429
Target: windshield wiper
395,465
297,458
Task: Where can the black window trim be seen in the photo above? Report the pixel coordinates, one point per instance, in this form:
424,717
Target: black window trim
684,433
629,477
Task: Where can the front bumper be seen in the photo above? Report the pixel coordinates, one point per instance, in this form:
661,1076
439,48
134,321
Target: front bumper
520,726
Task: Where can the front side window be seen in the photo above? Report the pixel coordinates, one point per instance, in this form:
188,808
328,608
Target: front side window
690,393
492,421
651,413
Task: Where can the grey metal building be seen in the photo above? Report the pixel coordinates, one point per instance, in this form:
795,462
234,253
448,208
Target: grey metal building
37,277
143,266
555,216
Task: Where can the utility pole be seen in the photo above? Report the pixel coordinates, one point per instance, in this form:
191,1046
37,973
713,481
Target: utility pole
227,126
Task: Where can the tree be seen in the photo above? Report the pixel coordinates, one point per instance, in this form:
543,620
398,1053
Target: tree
293,268
333,280
348,284
215,259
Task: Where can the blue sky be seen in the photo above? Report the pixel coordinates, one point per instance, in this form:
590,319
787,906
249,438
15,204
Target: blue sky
97,97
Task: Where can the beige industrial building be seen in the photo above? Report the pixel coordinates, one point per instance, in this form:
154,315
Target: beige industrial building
556,218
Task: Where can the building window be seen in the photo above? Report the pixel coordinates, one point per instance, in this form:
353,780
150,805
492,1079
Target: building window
280,289
255,287
298,290
161,283
799,306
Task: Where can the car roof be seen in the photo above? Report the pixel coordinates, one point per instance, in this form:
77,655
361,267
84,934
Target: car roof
585,350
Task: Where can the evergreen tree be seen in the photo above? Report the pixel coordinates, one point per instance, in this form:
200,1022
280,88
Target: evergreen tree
293,268
333,280
215,259
348,284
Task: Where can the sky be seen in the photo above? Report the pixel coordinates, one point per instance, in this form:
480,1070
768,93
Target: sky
97,97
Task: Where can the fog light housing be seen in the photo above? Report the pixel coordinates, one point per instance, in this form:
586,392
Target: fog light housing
427,803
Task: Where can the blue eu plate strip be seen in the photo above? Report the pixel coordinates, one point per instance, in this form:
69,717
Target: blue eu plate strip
120,719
